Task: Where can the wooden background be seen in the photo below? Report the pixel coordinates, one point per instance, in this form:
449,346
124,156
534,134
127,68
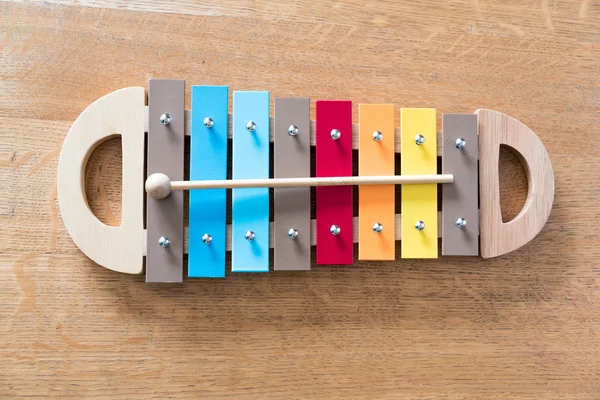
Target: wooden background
525,325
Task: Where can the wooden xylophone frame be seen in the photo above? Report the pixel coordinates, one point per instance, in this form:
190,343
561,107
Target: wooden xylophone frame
125,113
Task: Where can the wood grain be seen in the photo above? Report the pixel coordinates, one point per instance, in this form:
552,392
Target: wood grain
118,248
496,237
524,325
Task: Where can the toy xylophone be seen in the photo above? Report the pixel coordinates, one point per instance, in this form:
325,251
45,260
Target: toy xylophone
153,145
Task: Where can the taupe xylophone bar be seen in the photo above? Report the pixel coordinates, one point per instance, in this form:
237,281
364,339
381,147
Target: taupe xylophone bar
152,233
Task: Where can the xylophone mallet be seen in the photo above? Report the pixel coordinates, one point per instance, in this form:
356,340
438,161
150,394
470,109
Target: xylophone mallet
159,186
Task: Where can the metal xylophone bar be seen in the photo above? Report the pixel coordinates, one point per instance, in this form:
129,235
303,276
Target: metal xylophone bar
376,203
334,136
291,159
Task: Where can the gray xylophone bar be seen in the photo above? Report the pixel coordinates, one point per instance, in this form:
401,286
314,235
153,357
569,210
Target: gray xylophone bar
312,132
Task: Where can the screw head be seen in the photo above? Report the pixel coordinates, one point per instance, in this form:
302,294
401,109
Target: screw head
206,238
293,233
419,225
419,139
249,235
250,126
377,227
460,143
335,134
377,136
335,230
293,130
165,119
208,122
461,222
164,241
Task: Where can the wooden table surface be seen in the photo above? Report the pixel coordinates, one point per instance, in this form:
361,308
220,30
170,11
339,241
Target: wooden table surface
525,325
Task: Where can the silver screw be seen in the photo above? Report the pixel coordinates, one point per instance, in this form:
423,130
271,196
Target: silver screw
206,238
377,136
164,241
293,233
165,119
419,225
335,134
250,126
249,235
461,222
377,227
461,143
419,140
293,130
335,230
208,122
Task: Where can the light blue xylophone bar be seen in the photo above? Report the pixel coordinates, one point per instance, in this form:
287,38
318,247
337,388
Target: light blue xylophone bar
208,160
250,207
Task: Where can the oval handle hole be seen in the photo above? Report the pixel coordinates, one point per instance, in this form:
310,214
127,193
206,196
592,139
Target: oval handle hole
103,181
513,183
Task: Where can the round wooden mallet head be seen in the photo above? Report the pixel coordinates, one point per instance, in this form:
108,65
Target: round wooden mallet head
158,186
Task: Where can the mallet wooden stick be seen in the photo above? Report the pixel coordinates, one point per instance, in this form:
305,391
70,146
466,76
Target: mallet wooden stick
158,185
